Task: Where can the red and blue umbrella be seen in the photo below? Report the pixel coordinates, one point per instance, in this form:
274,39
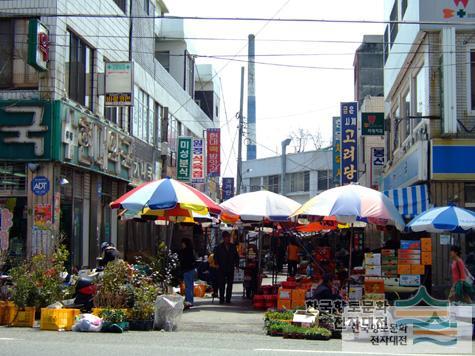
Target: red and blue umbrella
166,197
443,219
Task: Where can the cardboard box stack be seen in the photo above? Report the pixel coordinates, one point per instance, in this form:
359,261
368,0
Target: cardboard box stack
373,284
411,262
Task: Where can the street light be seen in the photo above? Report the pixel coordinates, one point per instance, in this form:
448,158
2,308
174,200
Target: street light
284,143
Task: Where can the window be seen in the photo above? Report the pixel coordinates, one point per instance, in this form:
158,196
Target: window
393,25
323,180
396,120
13,178
472,79
407,113
143,116
298,182
403,8
164,58
158,113
15,71
79,71
420,91
121,4
272,183
386,44
255,184
172,133
469,195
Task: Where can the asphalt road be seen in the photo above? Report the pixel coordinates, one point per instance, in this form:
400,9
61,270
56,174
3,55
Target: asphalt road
207,329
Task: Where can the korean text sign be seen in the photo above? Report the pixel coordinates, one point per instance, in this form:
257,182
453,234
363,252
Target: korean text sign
228,188
213,152
337,150
183,172
349,133
197,169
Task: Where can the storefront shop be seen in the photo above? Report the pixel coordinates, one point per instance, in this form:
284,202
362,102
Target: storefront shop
60,167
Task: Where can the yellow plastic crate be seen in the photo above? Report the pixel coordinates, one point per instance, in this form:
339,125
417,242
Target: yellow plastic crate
58,319
23,318
7,312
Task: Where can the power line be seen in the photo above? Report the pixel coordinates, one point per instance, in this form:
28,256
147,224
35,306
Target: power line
240,19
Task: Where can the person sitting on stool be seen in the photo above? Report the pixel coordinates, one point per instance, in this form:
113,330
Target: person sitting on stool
226,257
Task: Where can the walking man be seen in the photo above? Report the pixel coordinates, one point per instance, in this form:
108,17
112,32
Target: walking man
226,257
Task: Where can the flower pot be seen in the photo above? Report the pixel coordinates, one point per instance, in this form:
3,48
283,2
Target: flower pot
141,325
110,327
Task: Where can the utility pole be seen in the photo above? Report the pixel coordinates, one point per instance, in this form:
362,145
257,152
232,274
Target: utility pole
239,157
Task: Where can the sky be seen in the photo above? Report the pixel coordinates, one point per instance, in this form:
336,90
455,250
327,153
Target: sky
287,99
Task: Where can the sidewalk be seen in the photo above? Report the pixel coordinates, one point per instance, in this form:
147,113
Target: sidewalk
237,317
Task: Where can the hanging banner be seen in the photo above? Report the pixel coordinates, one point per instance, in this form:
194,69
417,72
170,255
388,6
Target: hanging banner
377,164
372,124
337,150
228,188
43,217
197,171
349,132
213,152
183,171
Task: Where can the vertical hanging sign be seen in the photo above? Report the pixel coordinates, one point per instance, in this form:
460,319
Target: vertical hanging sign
197,171
349,131
377,164
228,188
213,152
183,172
336,150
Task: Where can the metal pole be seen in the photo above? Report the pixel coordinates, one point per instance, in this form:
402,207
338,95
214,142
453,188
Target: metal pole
350,258
239,158
251,99
284,143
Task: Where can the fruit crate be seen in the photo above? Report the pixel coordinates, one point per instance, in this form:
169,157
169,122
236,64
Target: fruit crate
58,319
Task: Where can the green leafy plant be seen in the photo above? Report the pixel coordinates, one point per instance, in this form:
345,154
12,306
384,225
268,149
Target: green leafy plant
317,331
145,293
276,315
165,267
276,327
113,315
37,282
114,290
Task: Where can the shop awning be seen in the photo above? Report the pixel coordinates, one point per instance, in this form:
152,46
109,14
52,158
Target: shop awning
410,201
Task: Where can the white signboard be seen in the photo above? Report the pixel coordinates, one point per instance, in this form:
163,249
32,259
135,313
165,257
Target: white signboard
119,83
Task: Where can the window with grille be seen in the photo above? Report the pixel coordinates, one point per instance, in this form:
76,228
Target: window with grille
255,184
15,72
323,180
272,183
298,182
12,179
79,71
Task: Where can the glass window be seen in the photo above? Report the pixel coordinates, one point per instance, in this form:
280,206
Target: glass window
157,113
255,184
386,44
12,178
403,8
472,79
298,182
164,58
407,113
79,71
394,25
15,71
121,4
420,105
323,177
272,183
396,117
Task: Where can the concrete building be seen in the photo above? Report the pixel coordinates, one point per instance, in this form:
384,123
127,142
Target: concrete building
307,174
207,90
64,154
368,64
430,109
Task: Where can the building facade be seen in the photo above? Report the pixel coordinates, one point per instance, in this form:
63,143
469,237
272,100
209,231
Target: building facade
429,108
64,154
307,174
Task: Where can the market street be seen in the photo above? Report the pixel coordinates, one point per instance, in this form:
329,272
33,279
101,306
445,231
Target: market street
207,329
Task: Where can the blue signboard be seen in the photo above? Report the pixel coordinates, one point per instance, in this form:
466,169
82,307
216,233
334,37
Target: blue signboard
40,185
337,150
453,159
349,133
228,188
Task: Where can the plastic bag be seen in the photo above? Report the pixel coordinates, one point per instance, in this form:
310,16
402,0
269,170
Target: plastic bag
87,322
168,312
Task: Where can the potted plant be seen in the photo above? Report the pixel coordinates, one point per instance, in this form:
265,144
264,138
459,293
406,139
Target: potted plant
164,267
293,332
114,320
317,333
275,328
279,315
114,290
145,294
37,283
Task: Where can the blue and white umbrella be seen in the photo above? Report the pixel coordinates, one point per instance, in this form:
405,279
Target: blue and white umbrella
443,219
